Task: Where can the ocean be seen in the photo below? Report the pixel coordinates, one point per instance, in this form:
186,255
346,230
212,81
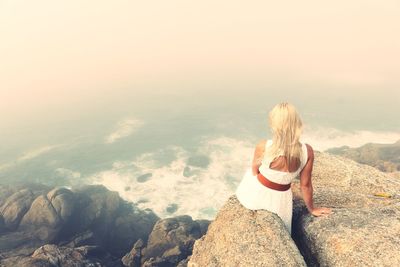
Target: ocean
182,150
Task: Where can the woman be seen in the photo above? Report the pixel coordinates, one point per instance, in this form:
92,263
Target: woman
275,164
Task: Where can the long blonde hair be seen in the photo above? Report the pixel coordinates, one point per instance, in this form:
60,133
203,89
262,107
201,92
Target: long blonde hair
286,127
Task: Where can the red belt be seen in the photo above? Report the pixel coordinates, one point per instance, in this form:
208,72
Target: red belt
272,185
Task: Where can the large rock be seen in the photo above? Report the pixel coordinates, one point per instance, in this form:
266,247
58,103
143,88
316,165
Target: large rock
63,202
52,255
15,201
15,207
2,224
64,256
133,258
18,244
241,237
85,216
170,242
114,223
6,190
385,157
364,228
49,213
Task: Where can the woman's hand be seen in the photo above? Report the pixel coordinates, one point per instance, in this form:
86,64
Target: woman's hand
321,211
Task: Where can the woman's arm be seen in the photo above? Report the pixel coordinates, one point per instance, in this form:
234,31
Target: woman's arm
258,154
305,180
306,186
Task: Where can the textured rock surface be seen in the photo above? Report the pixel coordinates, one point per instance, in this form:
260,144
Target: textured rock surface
52,255
90,215
133,258
364,228
169,244
15,207
92,225
385,157
241,237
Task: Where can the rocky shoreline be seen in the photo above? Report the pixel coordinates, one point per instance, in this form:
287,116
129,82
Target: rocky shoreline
384,157
92,226
363,230
88,226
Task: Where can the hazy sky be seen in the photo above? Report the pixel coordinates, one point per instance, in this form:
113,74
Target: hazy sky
72,53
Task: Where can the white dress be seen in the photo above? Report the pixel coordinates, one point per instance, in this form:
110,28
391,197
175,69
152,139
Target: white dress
254,195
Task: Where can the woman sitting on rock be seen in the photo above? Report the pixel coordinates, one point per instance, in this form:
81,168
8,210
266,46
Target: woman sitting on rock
275,164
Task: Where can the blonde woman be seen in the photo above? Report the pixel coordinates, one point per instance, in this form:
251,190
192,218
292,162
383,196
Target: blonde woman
275,164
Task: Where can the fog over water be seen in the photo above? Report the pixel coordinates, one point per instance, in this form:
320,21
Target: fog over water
165,103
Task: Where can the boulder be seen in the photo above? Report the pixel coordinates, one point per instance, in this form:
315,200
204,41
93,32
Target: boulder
364,228
242,237
18,243
2,224
15,207
169,243
85,216
48,214
63,202
133,258
52,255
130,225
114,223
64,256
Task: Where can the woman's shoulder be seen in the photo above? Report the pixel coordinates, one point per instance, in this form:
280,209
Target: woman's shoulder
308,152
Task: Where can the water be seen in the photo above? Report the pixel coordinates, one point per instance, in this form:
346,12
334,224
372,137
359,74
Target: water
183,149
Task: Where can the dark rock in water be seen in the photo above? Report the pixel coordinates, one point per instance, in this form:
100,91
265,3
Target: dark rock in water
187,172
115,224
170,242
142,200
129,226
127,188
133,258
201,161
203,226
184,263
144,178
171,208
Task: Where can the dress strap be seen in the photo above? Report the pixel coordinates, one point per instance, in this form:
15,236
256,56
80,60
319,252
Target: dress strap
267,144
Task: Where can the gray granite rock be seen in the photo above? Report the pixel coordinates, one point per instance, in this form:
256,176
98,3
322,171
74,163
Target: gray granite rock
15,206
169,244
133,258
364,228
241,237
54,256
88,215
